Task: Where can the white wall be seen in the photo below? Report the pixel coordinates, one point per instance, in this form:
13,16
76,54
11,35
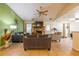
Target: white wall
49,24
74,26
58,25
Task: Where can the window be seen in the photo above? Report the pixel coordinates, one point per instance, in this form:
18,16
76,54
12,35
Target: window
47,27
29,28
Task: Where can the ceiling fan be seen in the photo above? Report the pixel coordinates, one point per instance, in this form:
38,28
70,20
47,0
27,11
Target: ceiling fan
41,11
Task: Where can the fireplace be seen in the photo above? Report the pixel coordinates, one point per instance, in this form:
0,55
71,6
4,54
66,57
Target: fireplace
39,32
38,27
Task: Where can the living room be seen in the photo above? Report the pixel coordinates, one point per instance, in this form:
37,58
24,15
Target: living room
39,29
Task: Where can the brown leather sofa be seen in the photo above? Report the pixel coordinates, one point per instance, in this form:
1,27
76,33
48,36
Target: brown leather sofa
37,42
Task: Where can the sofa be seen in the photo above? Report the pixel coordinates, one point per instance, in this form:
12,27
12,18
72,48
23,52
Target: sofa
17,37
37,42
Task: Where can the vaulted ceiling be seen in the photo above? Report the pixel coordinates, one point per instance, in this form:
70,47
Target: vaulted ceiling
27,10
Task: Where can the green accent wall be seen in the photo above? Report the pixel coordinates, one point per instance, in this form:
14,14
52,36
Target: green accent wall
7,17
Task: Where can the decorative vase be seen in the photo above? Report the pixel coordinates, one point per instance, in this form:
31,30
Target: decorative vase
6,44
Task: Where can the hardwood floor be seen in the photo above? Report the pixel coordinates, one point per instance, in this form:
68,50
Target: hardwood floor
63,48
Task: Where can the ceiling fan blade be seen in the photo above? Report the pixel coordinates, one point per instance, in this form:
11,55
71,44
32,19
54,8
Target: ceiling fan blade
37,10
45,14
45,11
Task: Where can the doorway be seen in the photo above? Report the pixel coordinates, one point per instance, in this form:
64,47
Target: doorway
66,30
